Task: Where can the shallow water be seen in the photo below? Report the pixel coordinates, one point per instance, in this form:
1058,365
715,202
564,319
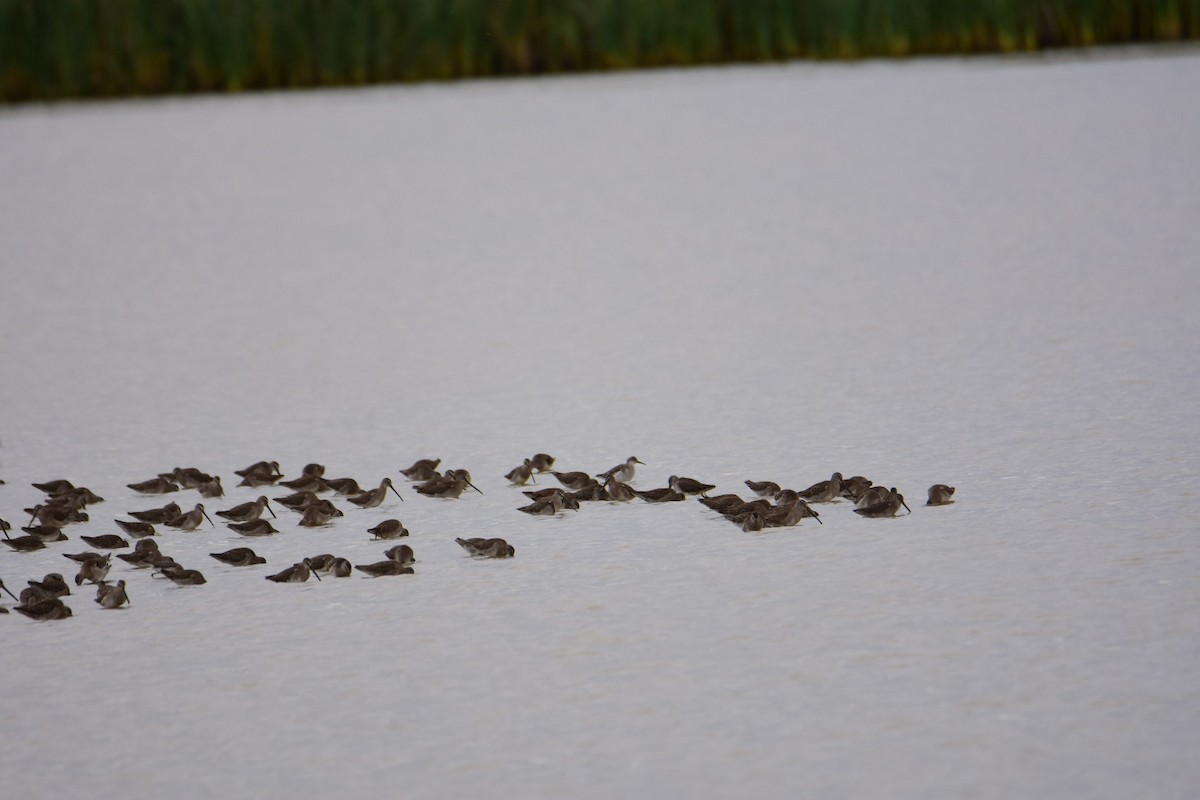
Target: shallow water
974,272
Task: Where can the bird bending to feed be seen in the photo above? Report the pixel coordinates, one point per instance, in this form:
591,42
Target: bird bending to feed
265,469
402,553
191,520
310,476
106,541
53,585
47,533
689,485
622,472
764,488
619,492
137,530
573,480
521,475
422,470
487,548
888,507
255,527
449,486
389,529
181,576
320,513
344,486
245,512
296,573
239,557
374,497
825,491
93,571
110,596
542,462
211,489
24,544
667,495
940,495
381,568
298,501
54,487
144,553
551,504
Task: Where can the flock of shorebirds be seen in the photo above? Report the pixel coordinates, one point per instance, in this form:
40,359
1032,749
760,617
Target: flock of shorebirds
65,504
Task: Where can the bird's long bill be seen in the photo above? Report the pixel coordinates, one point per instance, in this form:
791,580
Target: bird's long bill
9,592
906,508
268,505
817,517
33,516
473,486
128,602
205,513
393,488
308,564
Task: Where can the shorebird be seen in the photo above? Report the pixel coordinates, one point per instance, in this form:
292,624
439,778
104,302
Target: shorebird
343,486
689,485
422,470
305,481
111,596
388,567
552,504
155,486
888,507
239,557
521,475
618,491
298,501
255,527
296,573
872,496
825,491
211,489
137,530
764,488
487,548
330,564
191,520
449,486
402,553
722,502
53,585
542,462
667,495
47,533
187,477
374,497
622,472
45,609
107,541
388,529
573,480
753,522
592,493
143,555
55,487
180,576
24,544
853,487
319,513
158,516
78,497
264,469
57,516
245,512
940,495
93,571
85,557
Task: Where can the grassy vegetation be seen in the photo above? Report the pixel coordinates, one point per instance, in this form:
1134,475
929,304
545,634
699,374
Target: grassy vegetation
84,48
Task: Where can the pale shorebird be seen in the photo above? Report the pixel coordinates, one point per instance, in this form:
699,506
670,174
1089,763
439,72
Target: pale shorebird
296,573
48,608
111,596
107,541
319,513
255,527
144,553
381,568
888,507
622,472
825,491
191,520
487,548
157,516
542,462
764,488
239,557
521,475
93,571
689,485
137,530
402,553
245,512
374,497
155,486
423,470
940,495
388,529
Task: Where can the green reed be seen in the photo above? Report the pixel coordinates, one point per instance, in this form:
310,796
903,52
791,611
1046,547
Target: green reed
81,48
